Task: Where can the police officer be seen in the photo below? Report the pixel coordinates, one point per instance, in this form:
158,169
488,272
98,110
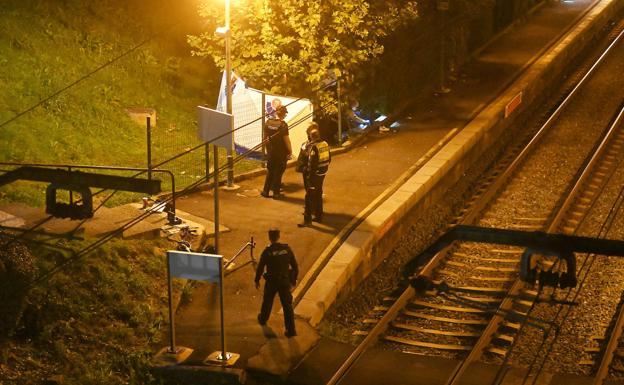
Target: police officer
278,152
281,276
314,169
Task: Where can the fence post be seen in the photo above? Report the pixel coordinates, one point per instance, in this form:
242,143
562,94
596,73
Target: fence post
215,161
339,112
149,148
263,122
207,159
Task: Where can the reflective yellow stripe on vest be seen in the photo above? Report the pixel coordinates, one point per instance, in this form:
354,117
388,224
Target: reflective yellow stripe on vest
323,151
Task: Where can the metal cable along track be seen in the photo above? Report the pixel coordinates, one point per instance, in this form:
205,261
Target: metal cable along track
497,292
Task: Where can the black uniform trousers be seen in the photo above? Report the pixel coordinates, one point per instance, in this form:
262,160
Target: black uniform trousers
276,165
281,287
313,185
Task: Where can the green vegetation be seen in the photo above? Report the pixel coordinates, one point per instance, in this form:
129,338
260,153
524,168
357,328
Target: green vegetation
292,46
95,322
46,45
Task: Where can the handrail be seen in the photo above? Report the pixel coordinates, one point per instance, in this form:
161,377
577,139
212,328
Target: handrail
229,264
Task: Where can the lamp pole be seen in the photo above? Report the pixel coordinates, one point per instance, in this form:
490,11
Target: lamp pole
228,92
443,7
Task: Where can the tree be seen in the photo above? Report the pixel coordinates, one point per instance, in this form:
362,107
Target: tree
292,46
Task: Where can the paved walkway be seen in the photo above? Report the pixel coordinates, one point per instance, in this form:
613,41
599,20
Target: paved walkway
355,179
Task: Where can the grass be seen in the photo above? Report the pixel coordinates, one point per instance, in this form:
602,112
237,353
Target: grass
98,321
45,45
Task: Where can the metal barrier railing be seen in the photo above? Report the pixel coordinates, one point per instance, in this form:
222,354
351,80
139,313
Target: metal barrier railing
230,264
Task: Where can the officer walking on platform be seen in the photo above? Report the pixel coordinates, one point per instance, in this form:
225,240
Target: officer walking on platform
314,163
280,276
278,152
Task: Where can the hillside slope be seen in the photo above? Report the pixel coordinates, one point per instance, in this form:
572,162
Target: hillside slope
46,45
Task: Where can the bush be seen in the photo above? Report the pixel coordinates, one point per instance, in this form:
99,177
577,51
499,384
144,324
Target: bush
16,271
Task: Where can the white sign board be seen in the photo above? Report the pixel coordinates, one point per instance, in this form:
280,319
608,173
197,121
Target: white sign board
197,266
214,124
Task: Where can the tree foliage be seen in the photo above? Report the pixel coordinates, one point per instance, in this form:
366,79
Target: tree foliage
291,46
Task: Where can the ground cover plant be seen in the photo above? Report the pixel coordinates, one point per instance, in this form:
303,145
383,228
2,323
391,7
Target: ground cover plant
97,321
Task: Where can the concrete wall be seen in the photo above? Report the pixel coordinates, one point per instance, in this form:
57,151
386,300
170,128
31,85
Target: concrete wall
377,236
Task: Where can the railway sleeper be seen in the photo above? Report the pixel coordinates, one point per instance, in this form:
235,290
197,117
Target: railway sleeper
482,274
504,338
497,351
524,303
493,279
476,258
423,344
531,219
430,317
503,253
515,251
497,269
493,291
459,309
572,222
595,184
478,301
516,313
455,264
515,226
448,333
450,314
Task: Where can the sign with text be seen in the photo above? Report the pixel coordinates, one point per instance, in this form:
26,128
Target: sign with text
513,104
197,266
214,124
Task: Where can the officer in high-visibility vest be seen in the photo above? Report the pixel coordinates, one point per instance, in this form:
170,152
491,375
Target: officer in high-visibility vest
314,169
281,276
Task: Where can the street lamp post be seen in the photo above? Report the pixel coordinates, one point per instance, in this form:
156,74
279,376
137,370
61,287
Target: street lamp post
228,92
443,7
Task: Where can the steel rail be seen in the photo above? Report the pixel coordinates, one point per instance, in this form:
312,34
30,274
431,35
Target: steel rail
607,358
592,162
427,271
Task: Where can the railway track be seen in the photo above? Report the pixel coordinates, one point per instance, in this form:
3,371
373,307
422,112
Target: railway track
488,305
610,351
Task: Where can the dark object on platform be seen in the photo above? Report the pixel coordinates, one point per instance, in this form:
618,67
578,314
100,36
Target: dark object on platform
171,216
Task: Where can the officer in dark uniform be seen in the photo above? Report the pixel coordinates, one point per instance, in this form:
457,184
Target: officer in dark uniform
316,161
281,276
278,151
